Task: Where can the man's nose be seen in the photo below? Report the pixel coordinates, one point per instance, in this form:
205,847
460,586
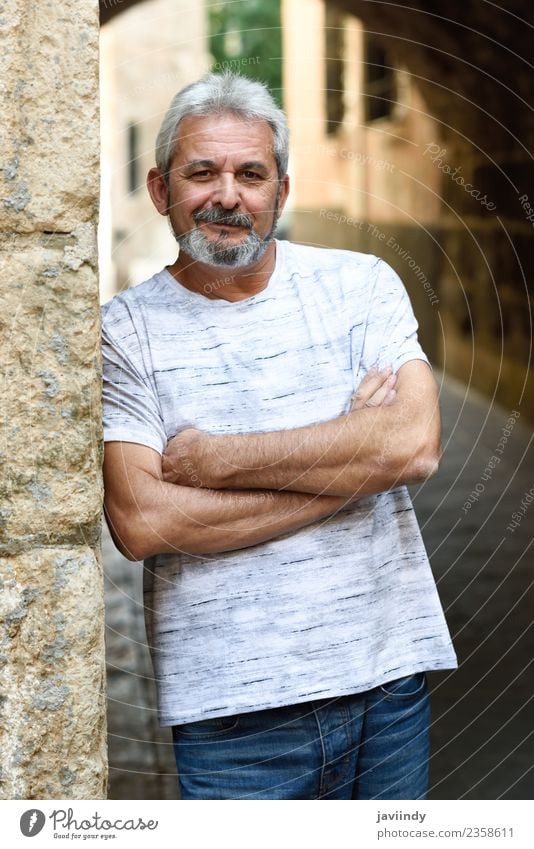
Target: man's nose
226,191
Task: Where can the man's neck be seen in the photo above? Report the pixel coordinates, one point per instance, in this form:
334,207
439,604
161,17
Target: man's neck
228,284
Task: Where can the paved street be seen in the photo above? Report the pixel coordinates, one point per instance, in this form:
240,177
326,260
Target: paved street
477,517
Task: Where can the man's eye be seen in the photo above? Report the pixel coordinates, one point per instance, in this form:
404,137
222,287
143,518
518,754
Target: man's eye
201,175
250,175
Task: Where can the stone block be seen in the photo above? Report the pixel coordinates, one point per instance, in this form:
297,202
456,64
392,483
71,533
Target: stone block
52,675
49,325
52,654
50,125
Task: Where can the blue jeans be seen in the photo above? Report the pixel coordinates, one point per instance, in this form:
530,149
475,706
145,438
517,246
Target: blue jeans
371,745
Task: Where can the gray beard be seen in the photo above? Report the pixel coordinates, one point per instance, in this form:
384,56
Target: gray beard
219,254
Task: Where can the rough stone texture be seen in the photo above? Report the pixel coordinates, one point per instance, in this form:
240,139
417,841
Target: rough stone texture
52,679
49,141
49,330
52,731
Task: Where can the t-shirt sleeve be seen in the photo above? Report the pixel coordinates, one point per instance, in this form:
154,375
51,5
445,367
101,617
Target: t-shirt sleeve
131,411
391,331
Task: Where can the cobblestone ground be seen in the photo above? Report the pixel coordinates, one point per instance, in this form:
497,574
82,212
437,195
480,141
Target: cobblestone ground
481,554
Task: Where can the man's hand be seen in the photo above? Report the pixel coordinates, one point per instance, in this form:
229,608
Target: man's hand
375,390
189,460
184,460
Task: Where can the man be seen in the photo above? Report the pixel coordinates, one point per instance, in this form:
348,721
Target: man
265,403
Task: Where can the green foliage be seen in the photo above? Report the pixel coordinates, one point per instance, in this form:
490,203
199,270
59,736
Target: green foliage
246,37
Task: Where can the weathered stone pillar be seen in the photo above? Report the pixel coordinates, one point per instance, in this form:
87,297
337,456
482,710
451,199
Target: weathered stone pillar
52,734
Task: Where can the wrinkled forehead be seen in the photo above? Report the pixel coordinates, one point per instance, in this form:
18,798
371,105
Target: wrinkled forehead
224,136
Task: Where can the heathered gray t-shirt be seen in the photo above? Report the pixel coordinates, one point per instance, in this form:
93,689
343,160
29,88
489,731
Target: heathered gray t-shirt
338,607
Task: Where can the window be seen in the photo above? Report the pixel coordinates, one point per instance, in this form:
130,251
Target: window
379,81
133,158
334,70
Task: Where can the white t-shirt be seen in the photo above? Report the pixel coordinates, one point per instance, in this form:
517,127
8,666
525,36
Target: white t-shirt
338,607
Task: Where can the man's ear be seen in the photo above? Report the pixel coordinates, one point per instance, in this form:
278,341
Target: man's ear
284,191
158,190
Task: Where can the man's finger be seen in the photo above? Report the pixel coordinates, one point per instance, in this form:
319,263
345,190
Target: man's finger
167,468
379,397
374,382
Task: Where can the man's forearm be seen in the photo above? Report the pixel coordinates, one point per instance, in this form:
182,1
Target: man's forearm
357,454
369,450
174,518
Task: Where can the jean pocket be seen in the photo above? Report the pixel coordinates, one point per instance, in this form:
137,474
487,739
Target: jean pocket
405,688
206,728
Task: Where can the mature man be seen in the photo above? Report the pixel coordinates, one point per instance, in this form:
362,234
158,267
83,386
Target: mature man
265,403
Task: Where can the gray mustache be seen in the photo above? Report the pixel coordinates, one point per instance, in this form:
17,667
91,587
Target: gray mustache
217,216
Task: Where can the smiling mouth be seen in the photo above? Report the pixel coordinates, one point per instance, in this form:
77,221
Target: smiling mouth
218,225
217,218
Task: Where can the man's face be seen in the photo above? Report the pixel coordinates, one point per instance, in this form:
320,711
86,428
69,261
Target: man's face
224,194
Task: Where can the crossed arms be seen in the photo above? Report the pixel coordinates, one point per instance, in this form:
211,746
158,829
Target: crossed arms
212,494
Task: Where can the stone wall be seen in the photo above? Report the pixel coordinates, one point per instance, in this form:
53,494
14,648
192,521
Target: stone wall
52,728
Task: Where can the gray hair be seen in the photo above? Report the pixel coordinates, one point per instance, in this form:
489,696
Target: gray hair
217,94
